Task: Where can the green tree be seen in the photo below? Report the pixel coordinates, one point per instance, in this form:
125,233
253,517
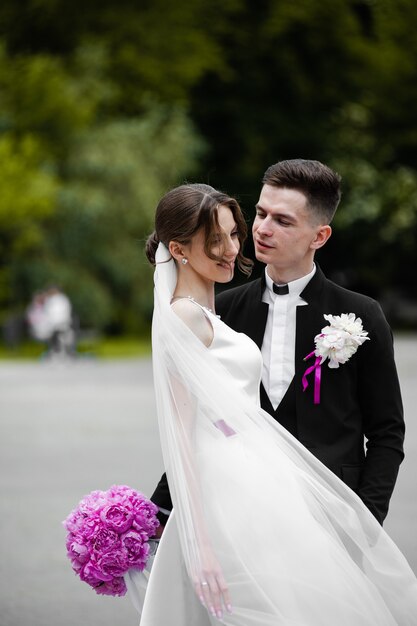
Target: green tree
27,200
93,248
332,80
108,172
160,48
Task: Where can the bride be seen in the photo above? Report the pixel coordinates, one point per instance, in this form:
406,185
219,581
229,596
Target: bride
311,554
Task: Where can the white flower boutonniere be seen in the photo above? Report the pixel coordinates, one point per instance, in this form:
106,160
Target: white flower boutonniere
340,340
337,342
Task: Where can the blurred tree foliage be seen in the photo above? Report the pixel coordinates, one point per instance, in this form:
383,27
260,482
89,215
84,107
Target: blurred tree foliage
27,200
104,106
84,178
113,178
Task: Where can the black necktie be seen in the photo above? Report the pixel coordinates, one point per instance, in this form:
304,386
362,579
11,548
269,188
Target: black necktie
281,290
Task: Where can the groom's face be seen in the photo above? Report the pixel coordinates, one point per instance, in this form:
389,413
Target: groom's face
284,232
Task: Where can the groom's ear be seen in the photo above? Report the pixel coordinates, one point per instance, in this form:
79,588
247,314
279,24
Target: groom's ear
322,235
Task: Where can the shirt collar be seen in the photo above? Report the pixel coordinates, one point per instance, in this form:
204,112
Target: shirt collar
295,286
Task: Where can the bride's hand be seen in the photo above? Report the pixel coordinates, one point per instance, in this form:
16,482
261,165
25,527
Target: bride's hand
211,586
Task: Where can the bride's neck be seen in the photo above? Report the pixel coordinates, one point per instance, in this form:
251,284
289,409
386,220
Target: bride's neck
201,291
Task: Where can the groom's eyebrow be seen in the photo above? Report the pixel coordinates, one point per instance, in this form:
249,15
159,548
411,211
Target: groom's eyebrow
258,207
276,214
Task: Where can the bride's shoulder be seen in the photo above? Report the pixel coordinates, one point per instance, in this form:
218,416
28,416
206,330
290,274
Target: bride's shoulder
194,316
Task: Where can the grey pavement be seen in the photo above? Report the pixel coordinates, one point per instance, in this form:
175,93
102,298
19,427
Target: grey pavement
66,429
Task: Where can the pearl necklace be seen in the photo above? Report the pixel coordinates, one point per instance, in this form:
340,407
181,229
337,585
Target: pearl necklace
192,300
195,302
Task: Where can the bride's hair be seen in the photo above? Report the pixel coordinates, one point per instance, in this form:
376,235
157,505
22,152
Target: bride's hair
186,209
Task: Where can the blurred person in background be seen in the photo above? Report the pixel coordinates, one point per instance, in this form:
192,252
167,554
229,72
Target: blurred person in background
38,322
50,320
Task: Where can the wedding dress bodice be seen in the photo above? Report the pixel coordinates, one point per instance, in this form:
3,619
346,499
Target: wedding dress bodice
239,355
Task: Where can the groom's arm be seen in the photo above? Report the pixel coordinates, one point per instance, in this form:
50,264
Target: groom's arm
382,411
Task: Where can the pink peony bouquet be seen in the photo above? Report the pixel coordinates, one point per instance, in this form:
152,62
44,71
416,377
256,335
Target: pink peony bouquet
108,534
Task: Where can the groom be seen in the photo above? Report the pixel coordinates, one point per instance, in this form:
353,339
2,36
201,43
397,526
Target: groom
350,417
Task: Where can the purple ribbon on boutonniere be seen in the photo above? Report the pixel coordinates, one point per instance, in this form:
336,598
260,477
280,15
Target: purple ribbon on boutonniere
316,368
337,342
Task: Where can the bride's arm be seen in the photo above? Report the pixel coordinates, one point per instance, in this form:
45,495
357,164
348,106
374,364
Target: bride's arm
208,578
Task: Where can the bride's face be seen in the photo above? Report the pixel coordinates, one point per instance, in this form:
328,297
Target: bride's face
227,247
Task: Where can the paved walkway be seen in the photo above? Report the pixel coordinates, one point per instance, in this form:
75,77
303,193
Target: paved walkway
68,429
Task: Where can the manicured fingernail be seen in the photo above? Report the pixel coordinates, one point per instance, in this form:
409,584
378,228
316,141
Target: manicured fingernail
202,601
229,608
219,614
212,611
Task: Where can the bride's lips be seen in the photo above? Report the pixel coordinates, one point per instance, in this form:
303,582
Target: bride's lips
227,266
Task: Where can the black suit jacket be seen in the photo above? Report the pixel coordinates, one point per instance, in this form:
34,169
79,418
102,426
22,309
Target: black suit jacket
360,401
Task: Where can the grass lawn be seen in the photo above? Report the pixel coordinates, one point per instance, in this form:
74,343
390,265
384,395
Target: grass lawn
100,347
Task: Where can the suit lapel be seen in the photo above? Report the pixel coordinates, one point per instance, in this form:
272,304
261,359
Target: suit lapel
310,321
310,318
256,313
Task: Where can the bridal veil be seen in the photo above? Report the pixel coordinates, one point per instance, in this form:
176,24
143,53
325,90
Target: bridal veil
295,545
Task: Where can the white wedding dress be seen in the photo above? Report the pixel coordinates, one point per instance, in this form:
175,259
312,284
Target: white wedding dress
287,560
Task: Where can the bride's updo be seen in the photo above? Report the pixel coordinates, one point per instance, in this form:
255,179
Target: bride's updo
186,209
151,246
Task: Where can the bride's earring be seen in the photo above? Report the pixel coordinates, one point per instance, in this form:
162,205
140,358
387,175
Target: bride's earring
184,261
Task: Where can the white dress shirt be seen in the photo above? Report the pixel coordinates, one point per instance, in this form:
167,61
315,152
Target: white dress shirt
278,347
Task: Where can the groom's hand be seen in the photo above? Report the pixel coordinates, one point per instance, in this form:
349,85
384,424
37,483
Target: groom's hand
159,531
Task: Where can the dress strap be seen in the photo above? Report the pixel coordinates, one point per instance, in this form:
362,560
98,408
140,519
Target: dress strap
193,324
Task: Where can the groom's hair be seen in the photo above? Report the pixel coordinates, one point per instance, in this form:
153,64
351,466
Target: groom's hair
319,183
